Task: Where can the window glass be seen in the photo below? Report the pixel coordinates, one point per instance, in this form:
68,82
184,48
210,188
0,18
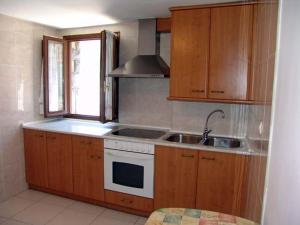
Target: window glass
85,77
55,76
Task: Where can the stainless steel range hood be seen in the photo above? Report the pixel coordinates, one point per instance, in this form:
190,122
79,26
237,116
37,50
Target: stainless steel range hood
148,63
145,66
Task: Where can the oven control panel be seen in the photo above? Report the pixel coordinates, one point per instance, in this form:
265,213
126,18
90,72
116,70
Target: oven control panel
129,146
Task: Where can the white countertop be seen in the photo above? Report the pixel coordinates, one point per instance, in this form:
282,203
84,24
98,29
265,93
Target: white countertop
100,130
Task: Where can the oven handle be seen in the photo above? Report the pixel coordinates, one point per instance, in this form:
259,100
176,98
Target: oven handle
131,155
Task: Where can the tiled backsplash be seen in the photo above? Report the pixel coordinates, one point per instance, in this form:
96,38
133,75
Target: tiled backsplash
20,70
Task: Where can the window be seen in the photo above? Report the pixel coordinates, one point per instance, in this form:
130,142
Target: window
76,82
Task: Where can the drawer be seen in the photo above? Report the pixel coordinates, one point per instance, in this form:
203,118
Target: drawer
129,201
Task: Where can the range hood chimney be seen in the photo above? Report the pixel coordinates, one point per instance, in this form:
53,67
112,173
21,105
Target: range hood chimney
148,63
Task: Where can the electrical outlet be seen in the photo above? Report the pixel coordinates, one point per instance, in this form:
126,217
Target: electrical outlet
260,127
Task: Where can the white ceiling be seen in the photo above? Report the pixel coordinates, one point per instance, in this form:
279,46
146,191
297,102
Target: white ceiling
81,13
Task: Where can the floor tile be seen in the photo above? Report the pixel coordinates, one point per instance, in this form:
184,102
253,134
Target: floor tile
109,221
57,200
71,217
141,220
86,208
13,206
13,222
39,213
116,215
32,195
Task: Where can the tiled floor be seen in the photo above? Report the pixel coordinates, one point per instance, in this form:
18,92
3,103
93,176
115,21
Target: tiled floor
37,208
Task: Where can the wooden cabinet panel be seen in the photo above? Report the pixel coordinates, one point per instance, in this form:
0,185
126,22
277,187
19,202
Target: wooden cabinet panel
163,25
230,52
129,201
36,157
220,182
59,154
263,55
88,167
175,177
189,53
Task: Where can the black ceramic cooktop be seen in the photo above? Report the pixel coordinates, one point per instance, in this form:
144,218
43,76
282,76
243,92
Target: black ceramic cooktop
139,133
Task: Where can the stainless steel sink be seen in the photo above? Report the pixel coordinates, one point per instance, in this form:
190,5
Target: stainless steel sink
219,142
184,138
223,142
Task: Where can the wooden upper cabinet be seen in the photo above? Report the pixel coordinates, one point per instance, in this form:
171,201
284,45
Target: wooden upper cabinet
59,154
230,52
175,177
36,157
263,55
88,167
189,53
221,180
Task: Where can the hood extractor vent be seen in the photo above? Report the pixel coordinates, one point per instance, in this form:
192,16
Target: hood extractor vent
148,63
143,66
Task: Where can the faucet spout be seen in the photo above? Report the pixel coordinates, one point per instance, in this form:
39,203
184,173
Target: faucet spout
206,130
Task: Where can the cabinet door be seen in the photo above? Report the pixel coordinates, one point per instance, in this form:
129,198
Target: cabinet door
88,167
220,182
59,154
35,157
263,51
230,51
175,177
189,53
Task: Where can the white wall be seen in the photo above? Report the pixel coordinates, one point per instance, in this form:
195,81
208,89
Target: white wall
282,205
20,70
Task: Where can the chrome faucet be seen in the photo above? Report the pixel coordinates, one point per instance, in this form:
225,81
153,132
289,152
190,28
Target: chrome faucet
206,130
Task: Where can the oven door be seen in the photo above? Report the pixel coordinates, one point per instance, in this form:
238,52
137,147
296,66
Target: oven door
129,172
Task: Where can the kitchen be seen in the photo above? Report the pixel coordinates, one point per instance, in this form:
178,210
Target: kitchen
155,151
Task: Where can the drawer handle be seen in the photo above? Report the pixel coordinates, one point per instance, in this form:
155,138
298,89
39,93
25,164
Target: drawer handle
40,135
197,91
92,156
82,142
187,156
208,158
218,92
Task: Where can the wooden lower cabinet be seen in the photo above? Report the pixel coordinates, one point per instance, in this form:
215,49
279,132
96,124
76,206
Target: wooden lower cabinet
129,201
60,166
36,157
220,182
175,177
88,168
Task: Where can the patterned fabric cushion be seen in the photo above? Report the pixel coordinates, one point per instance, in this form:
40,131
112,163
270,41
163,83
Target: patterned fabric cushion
182,216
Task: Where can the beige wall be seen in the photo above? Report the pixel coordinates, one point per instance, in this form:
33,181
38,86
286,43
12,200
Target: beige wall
20,69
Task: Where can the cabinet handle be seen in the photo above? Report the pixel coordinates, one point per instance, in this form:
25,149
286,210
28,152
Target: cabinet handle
92,156
197,91
187,156
40,135
208,158
52,138
82,142
89,143
98,157
218,92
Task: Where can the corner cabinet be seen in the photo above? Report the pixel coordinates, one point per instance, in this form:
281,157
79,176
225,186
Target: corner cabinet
36,157
211,53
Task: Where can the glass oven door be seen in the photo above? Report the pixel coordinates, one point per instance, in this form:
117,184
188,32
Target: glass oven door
129,172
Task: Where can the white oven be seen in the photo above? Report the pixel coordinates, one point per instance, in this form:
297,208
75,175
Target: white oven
129,167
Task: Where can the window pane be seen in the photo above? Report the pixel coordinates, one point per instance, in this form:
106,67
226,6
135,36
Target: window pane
56,76
85,77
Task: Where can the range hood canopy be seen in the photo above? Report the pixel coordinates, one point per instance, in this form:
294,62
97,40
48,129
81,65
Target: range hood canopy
144,66
148,62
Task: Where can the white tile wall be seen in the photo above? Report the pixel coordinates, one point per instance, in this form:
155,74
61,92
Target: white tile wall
20,69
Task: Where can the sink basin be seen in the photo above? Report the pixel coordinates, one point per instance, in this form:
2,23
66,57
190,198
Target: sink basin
223,142
219,142
185,138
